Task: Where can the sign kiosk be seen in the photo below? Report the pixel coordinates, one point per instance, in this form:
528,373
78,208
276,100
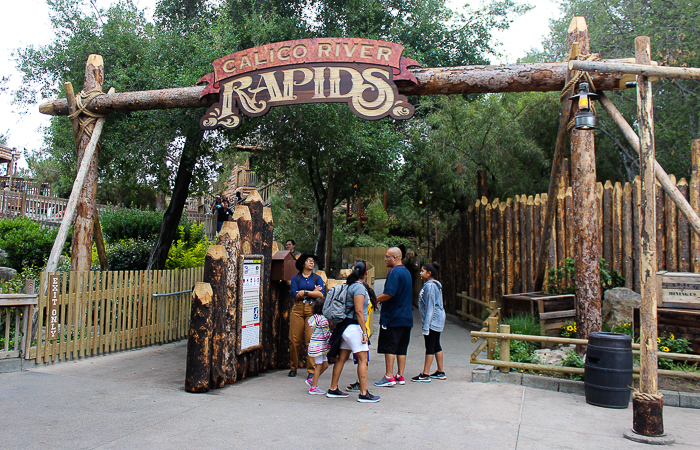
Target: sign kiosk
250,303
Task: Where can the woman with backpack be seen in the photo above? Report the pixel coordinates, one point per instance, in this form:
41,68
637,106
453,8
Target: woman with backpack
432,313
306,287
352,337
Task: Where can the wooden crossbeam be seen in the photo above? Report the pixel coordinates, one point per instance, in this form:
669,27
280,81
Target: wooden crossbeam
686,73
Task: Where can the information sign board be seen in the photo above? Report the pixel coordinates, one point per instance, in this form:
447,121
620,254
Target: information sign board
678,290
250,302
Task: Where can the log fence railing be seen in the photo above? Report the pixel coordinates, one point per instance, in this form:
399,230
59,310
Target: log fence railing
503,336
101,312
26,185
499,241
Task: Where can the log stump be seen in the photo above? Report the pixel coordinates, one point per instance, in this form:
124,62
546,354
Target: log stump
198,344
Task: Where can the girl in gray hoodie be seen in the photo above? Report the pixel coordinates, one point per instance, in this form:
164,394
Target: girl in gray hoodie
432,313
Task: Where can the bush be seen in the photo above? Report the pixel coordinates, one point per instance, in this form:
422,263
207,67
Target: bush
525,324
26,243
129,254
190,250
16,284
120,224
573,360
668,343
557,278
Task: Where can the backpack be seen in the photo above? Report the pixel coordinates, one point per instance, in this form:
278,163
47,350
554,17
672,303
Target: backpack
334,308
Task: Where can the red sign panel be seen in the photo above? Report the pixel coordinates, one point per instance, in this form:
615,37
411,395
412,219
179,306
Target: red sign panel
360,72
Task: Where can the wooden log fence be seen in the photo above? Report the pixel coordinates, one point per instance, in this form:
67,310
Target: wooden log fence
504,338
491,261
102,312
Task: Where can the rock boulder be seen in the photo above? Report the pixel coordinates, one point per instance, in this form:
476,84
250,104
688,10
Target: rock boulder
7,273
618,306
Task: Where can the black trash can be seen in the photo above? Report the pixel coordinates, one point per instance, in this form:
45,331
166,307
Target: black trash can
608,370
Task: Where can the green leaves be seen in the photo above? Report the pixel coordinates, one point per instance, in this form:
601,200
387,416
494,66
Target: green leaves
26,244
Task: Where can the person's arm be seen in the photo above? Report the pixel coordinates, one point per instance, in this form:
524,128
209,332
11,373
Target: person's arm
429,307
360,315
384,297
320,289
391,287
294,288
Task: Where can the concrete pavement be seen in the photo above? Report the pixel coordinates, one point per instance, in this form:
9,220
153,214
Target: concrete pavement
136,399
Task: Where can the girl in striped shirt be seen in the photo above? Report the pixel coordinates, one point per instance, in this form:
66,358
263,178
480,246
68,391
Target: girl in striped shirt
318,346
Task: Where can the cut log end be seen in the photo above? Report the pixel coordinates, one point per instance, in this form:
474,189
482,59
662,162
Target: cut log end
267,215
230,229
241,212
217,252
203,291
253,197
578,24
95,60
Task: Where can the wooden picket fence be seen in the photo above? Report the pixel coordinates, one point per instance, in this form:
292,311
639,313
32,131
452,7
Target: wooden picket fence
373,255
492,251
101,312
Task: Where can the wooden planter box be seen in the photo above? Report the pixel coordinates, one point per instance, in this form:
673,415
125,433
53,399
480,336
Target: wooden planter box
552,310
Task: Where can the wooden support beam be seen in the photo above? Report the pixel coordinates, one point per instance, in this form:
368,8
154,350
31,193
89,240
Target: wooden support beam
648,327
431,81
99,242
663,178
585,210
215,272
230,239
686,73
198,366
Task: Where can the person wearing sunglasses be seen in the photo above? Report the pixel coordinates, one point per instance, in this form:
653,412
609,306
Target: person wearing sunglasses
306,286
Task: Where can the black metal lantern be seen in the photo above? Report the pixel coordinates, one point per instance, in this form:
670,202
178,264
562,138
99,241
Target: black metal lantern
585,119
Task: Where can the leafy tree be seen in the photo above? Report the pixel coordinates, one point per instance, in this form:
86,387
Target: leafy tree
613,26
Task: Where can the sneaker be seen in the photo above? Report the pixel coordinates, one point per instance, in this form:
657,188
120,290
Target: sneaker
368,398
309,375
316,391
355,387
309,382
336,393
438,375
399,379
386,382
421,377
292,373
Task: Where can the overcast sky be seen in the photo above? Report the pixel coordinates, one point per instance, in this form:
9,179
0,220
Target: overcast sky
23,126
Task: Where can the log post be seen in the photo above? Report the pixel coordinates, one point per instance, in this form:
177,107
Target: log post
504,348
694,193
230,239
245,229
199,341
81,244
648,383
492,323
215,271
585,210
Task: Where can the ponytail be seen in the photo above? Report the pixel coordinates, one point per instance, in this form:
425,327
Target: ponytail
432,268
357,272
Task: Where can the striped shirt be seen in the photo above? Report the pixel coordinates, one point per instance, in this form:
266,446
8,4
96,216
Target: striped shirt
320,334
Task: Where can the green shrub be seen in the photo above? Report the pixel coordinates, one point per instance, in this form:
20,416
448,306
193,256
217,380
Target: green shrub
525,324
568,330
190,250
121,223
26,243
668,343
377,221
16,284
129,254
557,278
573,360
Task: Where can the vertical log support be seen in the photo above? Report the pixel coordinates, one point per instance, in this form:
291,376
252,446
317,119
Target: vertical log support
585,210
504,348
694,192
647,420
199,341
81,245
245,228
230,239
215,271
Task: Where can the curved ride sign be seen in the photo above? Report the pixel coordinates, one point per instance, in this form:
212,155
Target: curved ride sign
360,72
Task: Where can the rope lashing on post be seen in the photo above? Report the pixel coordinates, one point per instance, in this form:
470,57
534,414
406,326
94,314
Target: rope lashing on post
647,397
576,75
82,100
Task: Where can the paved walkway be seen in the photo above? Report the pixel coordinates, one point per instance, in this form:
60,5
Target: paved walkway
135,399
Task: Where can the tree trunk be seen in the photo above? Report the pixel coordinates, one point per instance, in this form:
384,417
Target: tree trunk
230,239
81,245
171,218
199,342
320,249
215,270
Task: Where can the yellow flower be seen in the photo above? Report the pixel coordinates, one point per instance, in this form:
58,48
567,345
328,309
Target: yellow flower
569,328
658,340
672,337
627,319
665,349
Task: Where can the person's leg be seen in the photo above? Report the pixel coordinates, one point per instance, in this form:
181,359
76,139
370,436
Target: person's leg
401,363
438,359
318,371
428,363
429,351
403,338
389,362
308,312
296,331
362,371
338,368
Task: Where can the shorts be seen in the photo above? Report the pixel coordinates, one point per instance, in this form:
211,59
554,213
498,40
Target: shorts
320,359
394,340
432,342
352,339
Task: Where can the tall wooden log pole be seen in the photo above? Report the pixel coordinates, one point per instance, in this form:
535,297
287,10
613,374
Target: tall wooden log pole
662,177
694,193
230,239
647,424
198,366
554,185
215,272
81,245
686,73
585,210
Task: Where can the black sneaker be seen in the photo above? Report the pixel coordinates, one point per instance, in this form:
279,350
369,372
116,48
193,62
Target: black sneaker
336,393
422,378
438,375
292,373
355,387
368,398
